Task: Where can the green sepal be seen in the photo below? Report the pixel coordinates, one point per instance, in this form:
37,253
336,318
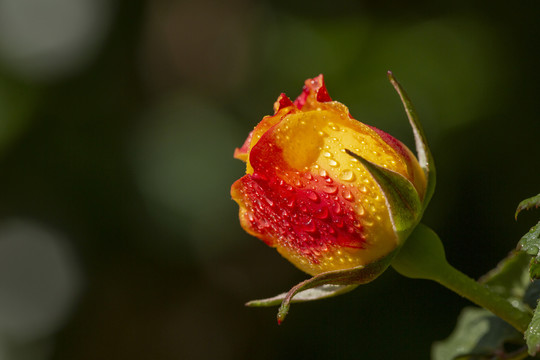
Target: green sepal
316,293
528,204
341,281
479,335
425,158
401,196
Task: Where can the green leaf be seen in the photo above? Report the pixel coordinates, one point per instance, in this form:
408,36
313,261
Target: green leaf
401,196
318,293
532,335
510,278
528,204
422,149
534,269
478,335
530,242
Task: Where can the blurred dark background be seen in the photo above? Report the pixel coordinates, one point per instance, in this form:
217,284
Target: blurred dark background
118,120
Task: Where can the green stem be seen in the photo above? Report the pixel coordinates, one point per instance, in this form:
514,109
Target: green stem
482,296
422,257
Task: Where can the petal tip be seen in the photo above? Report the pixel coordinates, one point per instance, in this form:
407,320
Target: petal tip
282,102
314,91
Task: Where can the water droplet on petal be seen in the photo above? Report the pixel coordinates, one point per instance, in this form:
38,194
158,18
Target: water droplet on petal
330,189
309,176
326,154
329,180
322,213
310,226
347,175
363,189
312,196
333,163
323,173
337,208
347,195
360,210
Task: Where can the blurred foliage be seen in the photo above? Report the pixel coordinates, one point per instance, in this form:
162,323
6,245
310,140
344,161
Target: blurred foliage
118,120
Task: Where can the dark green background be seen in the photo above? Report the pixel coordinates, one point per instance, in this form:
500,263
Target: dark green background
124,156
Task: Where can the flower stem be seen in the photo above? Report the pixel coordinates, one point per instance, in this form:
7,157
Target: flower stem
422,257
481,295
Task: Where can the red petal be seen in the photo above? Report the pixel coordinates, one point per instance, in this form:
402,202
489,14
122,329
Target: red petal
242,153
282,102
314,91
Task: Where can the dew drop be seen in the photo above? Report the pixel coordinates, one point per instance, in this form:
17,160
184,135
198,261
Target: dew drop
326,154
329,180
347,195
363,189
337,208
347,175
360,210
333,163
269,201
297,183
322,213
323,173
309,176
312,196
330,189
263,224
310,227
290,203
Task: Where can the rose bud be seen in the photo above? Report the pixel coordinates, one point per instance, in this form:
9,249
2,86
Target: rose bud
327,191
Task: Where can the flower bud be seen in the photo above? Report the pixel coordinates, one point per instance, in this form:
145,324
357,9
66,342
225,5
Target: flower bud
327,191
